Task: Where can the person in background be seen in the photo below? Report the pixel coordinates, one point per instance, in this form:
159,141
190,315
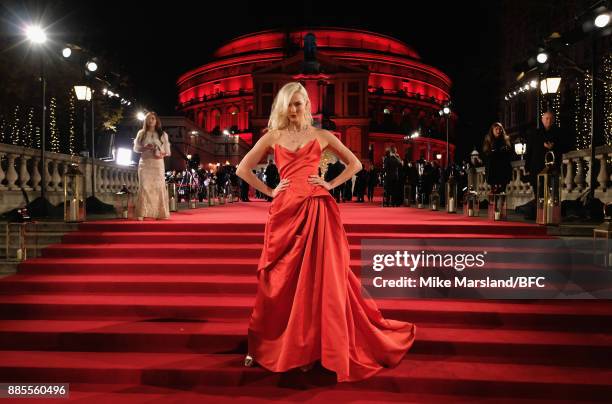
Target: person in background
272,177
539,142
498,157
372,181
153,145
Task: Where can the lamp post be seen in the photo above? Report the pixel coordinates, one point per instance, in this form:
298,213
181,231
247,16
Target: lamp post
83,93
226,135
37,36
91,67
445,112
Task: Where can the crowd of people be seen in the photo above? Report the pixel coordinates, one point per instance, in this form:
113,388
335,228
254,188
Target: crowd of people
407,182
404,182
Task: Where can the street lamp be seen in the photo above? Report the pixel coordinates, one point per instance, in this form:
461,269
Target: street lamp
37,36
602,20
542,57
91,66
226,135
520,148
446,112
83,93
550,85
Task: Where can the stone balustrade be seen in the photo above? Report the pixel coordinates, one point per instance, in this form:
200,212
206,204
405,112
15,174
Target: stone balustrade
21,172
574,177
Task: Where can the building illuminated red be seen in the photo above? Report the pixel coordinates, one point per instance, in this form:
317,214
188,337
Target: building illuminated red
371,90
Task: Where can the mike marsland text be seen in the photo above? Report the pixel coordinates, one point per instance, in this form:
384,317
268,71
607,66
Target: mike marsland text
460,282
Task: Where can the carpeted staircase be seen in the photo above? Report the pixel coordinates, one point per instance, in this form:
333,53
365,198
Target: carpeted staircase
157,312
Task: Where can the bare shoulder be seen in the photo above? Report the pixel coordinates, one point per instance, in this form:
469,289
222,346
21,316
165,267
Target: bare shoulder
325,137
270,138
322,133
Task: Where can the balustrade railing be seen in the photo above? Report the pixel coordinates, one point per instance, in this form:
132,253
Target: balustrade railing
574,174
21,170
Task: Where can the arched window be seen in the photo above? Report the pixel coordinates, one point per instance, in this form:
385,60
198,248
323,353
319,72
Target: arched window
201,121
215,119
234,115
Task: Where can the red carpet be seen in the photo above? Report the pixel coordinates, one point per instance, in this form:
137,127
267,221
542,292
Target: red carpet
157,312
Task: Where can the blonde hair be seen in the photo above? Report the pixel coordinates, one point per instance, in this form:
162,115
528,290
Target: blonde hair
278,116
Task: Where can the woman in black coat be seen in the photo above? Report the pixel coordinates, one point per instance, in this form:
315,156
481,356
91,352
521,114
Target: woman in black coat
498,157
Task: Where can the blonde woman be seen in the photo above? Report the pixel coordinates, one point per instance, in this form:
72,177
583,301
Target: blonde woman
153,144
309,305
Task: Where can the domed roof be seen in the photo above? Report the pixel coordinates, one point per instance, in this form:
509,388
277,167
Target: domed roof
327,39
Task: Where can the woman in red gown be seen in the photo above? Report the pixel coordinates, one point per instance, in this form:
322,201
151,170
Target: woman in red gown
309,304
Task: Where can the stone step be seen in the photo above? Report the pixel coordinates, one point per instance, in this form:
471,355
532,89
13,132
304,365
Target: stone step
8,268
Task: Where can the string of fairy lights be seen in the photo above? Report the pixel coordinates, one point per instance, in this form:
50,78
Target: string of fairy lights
29,130
3,138
556,108
53,132
20,128
71,124
607,101
15,128
582,117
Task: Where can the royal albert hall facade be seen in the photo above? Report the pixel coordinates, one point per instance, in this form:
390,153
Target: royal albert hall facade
371,90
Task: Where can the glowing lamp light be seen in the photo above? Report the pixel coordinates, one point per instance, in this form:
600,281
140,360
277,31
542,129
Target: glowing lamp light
542,57
124,156
520,148
602,20
83,93
226,163
446,110
92,66
533,84
550,85
189,157
140,116
439,156
415,135
36,34
66,52
226,132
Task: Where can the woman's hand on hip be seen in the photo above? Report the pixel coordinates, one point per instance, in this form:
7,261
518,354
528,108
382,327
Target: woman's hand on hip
316,180
282,185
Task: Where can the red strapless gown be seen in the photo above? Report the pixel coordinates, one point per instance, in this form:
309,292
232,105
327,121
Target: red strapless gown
309,304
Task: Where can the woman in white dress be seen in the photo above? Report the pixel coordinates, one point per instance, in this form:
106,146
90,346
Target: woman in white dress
153,144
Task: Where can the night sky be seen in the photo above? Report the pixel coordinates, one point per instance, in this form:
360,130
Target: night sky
153,43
